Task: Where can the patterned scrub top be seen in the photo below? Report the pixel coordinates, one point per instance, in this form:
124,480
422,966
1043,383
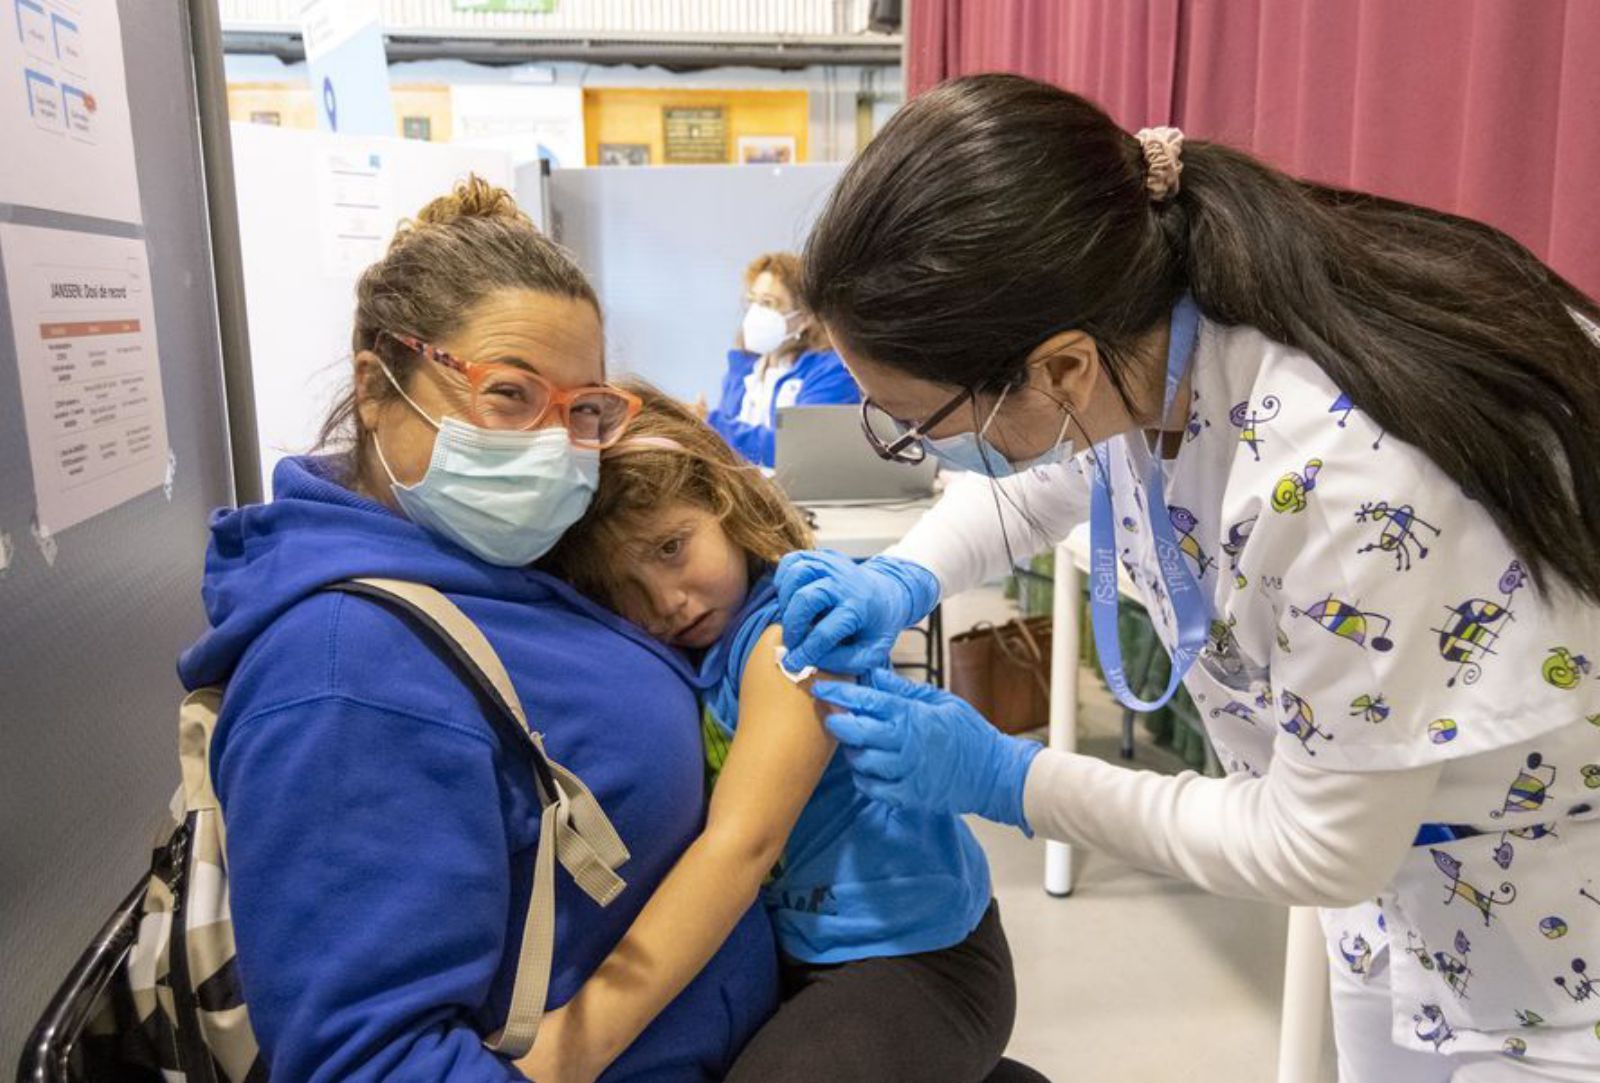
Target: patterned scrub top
1368,616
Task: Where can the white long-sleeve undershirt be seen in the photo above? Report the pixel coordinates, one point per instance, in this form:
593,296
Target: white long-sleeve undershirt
1298,835
963,538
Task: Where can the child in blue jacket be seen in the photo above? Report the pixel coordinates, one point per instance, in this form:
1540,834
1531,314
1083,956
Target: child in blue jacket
894,961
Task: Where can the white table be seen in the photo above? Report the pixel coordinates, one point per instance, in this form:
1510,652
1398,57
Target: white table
1305,979
865,530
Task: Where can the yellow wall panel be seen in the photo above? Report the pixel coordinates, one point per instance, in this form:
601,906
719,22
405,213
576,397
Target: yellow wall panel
628,115
292,104
634,115
420,100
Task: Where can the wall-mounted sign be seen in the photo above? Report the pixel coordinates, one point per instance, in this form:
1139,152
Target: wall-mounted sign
532,122
85,328
766,150
347,66
696,136
536,7
624,154
64,121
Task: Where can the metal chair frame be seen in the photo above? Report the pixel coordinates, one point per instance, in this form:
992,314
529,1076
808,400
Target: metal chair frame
47,1056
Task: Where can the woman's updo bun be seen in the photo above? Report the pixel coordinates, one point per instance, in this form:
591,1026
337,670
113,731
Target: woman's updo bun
472,198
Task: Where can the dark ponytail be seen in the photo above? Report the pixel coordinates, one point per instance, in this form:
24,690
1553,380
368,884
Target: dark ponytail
994,212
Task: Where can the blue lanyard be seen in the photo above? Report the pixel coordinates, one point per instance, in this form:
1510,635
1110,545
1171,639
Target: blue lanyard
1189,602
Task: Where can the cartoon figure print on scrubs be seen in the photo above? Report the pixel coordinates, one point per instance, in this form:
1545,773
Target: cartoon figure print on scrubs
783,359
1344,448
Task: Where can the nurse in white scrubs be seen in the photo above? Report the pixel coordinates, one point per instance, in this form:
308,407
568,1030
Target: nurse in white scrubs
1348,451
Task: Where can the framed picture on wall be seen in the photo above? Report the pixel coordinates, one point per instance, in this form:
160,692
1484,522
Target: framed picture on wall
624,154
766,150
695,136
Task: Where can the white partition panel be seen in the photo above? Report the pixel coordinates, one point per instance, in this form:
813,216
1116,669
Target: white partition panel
665,247
314,210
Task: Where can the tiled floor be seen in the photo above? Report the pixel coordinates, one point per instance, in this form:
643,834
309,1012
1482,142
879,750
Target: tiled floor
1134,977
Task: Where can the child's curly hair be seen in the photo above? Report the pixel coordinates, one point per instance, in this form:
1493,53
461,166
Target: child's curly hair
669,456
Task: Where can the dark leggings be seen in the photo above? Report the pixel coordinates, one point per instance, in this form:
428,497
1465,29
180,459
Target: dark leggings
937,1017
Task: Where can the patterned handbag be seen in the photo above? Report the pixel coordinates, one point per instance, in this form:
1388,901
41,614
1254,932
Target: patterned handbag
169,1003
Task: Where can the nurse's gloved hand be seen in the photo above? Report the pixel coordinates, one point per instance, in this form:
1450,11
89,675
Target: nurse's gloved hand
844,617
919,747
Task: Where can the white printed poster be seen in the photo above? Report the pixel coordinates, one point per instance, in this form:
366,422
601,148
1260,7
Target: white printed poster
91,383
355,208
64,126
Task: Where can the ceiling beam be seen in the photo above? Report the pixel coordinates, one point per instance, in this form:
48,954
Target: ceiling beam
677,51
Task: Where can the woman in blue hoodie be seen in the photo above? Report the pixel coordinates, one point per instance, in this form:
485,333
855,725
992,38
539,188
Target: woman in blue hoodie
783,359
380,838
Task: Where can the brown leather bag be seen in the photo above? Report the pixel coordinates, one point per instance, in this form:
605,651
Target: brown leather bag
1004,672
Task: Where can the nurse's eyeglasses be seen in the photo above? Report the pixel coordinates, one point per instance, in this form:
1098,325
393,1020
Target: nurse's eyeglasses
901,441
509,397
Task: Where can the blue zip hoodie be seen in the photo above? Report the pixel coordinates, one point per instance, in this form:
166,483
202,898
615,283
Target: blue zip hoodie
380,838
818,378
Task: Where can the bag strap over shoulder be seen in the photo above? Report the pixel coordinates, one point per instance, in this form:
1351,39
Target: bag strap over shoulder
573,827
466,643
197,725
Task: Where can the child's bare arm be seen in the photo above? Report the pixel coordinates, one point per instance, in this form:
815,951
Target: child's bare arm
779,751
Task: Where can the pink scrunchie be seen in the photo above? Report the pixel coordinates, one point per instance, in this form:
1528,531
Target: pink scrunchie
1163,154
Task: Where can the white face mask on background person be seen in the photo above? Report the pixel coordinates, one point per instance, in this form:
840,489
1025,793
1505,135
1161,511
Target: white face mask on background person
766,329
506,496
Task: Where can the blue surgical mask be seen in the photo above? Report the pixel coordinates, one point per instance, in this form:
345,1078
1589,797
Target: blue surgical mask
506,496
973,452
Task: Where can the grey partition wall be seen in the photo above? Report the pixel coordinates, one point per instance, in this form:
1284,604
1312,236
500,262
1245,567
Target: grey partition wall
665,246
89,632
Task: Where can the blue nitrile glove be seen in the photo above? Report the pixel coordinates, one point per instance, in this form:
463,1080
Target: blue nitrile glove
844,617
919,747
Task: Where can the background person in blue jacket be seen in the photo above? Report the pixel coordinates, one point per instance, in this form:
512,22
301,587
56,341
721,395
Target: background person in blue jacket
783,359
380,837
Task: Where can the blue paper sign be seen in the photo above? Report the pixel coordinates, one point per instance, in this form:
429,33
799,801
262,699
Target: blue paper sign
349,72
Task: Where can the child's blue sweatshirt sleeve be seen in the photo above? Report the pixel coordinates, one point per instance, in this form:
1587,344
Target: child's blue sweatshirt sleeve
372,919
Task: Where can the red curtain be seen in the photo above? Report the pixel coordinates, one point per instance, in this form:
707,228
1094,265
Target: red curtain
1487,108
1121,54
